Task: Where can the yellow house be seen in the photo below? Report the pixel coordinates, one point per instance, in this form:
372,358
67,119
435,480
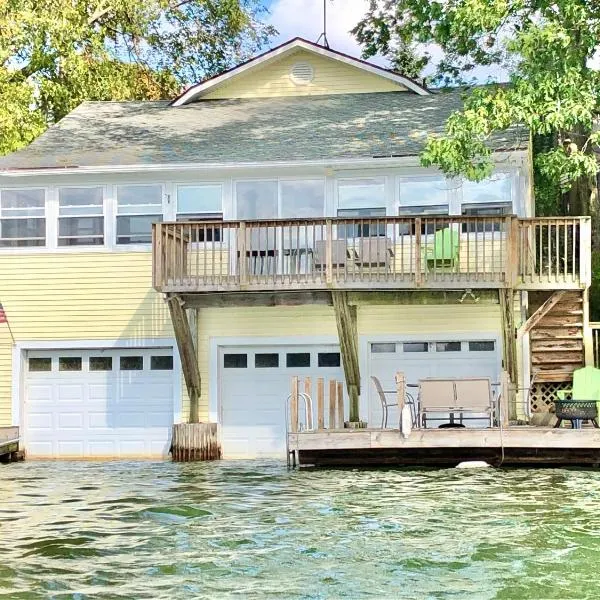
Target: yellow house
293,215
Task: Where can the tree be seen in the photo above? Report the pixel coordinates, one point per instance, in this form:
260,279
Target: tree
56,53
546,48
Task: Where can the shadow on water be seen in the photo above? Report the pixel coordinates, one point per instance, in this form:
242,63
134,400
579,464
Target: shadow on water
257,530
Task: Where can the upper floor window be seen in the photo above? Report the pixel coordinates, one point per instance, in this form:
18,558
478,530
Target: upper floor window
361,199
256,200
138,206
201,203
427,197
22,218
80,216
302,199
488,198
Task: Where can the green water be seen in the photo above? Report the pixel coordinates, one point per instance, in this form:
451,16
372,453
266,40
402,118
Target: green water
255,530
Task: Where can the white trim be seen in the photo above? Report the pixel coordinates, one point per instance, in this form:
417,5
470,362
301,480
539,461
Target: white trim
21,348
516,157
195,91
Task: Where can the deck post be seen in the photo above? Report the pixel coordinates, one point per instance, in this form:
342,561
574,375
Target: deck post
187,353
588,337
345,318
509,347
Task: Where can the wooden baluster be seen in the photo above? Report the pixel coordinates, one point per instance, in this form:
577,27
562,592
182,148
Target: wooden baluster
418,257
320,403
329,251
241,245
332,402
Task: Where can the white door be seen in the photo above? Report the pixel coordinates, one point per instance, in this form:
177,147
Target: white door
254,383
445,357
98,403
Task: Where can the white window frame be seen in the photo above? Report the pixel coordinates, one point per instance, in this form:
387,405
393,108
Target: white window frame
112,207
19,249
105,215
179,184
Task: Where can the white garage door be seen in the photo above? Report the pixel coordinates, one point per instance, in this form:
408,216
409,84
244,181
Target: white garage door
99,403
419,359
254,383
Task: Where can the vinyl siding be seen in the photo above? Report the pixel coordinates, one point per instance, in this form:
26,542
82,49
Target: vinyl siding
70,296
313,321
330,77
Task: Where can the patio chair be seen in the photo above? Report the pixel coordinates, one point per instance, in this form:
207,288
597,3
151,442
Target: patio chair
339,254
585,398
374,252
469,395
443,251
385,405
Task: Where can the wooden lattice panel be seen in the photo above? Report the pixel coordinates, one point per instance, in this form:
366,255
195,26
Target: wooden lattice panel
542,395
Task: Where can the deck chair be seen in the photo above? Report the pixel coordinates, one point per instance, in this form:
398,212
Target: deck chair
381,394
435,395
474,395
374,252
443,251
339,254
586,386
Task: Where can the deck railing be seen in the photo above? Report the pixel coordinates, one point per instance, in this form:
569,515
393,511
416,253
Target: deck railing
369,253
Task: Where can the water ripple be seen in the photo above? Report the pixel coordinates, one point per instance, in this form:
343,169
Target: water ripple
255,530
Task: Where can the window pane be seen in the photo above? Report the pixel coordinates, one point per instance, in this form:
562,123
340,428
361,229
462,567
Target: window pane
40,364
80,201
77,231
136,230
161,363
139,199
69,363
431,191
262,361
361,193
297,359
302,199
447,347
415,347
22,232
256,199
329,359
497,188
485,210
235,361
132,363
22,203
482,346
198,199
100,363
383,348
365,229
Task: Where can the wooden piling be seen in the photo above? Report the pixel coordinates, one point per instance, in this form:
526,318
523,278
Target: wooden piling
320,403
309,408
332,403
195,442
294,406
340,405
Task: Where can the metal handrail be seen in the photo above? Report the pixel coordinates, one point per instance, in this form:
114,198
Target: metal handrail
308,417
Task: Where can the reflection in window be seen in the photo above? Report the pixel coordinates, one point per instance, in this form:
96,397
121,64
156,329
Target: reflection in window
40,364
383,348
497,188
485,210
361,199
235,361
161,363
100,363
132,363
266,360
415,347
302,199
297,359
256,200
80,216
447,347
201,203
485,346
22,217
329,359
138,206
69,363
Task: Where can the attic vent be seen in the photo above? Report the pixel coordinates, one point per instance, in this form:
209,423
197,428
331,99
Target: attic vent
302,73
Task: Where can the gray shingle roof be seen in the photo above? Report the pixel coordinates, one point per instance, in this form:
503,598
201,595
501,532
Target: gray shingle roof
246,131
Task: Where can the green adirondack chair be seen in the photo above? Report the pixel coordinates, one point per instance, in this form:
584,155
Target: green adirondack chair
586,386
443,252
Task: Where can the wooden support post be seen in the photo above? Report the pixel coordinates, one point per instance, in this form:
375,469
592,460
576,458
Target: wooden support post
340,405
187,353
505,394
400,391
241,245
309,408
320,403
332,402
345,318
509,345
294,406
588,336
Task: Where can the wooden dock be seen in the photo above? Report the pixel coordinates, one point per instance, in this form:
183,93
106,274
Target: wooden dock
9,444
515,446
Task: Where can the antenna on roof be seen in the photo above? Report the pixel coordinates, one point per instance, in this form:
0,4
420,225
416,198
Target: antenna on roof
323,35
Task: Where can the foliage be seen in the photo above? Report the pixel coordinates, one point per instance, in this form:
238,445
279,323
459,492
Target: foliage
545,49
56,53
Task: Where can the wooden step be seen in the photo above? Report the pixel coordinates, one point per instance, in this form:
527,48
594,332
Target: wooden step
556,333
552,345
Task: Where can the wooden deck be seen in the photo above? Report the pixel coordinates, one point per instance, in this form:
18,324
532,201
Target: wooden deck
525,445
384,253
9,443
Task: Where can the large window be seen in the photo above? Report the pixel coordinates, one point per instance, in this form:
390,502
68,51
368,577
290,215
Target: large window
22,218
80,216
361,199
201,203
138,206
424,198
256,200
302,199
489,198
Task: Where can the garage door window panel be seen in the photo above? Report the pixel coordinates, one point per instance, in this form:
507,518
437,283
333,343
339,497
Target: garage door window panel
101,363
266,360
235,361
448,347
36,365
161,363
22,218
69,363
297,360
328,359
80,216
132,363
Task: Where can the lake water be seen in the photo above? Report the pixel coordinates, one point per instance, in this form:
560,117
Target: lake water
256,530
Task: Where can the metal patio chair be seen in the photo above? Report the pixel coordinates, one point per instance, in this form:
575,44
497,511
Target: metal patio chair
385,405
